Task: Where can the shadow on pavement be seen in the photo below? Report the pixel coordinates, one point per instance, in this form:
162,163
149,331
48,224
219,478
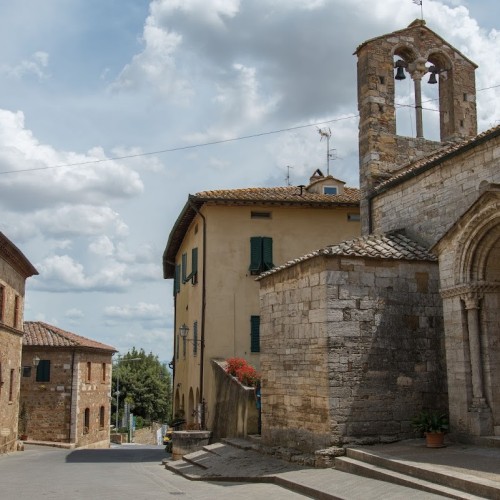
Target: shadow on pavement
117,455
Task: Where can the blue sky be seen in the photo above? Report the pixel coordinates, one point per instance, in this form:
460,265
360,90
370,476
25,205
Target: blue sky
92,80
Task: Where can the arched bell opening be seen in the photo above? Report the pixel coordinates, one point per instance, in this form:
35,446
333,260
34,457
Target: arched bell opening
423,94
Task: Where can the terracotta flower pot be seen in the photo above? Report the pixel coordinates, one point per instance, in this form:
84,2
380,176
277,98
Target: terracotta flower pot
434,439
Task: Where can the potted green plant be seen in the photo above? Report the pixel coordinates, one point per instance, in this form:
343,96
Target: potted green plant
433,425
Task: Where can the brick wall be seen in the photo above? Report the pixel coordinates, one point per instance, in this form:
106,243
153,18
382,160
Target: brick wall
352,349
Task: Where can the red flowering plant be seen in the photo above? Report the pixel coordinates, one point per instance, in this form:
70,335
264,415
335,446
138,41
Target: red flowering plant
245,373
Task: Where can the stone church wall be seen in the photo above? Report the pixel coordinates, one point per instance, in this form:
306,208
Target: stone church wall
294,358
352,349
429,204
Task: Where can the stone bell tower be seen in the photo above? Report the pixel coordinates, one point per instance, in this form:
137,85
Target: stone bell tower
413,52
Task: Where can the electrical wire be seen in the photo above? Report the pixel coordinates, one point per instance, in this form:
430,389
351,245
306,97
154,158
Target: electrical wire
211,143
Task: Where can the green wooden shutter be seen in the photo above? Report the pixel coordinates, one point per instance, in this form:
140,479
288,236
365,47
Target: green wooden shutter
177,279
267,253
255,333
195,338
255,254
194,265
184,267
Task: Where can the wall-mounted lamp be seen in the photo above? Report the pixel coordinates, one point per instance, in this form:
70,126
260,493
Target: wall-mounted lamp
183,330
36,360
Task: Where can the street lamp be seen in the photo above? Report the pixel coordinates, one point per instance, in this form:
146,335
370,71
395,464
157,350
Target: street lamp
183,330
117,393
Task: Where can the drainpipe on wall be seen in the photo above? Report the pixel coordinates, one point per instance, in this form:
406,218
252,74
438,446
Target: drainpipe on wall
71,398
203,298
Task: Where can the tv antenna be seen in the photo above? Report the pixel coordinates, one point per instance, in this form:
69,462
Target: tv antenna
287,178
326,133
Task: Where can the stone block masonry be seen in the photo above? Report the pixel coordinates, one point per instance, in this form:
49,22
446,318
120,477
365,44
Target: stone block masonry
369,362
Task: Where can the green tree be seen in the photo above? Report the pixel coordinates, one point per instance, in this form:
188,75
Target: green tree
145,383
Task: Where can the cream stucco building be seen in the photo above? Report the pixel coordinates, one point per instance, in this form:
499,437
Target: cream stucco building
220,242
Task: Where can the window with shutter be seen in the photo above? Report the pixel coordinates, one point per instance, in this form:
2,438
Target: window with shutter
267,253
184,267
177,280
194,266
255,333
261,254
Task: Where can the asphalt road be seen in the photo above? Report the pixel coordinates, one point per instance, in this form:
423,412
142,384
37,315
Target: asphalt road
125,472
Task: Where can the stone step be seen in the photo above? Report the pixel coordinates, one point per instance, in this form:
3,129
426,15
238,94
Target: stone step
375,465
353,466
431,472
185,469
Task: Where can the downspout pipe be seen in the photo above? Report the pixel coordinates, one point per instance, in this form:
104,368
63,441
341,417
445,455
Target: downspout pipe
71,396
203,307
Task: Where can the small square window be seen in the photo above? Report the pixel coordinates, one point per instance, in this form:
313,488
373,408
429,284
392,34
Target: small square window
27,371
353,217
330,190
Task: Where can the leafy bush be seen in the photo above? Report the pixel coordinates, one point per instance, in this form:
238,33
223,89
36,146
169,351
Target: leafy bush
244,372
430,422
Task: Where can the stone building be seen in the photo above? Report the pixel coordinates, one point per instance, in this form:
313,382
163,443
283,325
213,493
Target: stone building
65,387
221,240
15,268
360,336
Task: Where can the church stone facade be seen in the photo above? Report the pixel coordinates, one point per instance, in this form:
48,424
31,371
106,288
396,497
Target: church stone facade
360,336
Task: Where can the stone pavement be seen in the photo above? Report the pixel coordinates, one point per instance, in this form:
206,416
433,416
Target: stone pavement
399,470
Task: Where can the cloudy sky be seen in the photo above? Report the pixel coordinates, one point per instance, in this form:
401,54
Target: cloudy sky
113,111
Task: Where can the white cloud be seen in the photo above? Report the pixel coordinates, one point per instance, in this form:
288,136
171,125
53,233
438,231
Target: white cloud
213,13
139,311
102,246
61,273
36,65
155,66
74,314
93,183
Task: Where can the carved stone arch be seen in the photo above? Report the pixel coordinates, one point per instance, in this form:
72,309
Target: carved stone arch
406,52
439,59
477,240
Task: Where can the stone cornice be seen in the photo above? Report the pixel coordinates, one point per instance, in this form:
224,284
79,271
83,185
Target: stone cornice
469,289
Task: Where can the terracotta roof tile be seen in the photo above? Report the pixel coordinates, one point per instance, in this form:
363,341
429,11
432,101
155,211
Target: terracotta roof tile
285,194
37,333
394,246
